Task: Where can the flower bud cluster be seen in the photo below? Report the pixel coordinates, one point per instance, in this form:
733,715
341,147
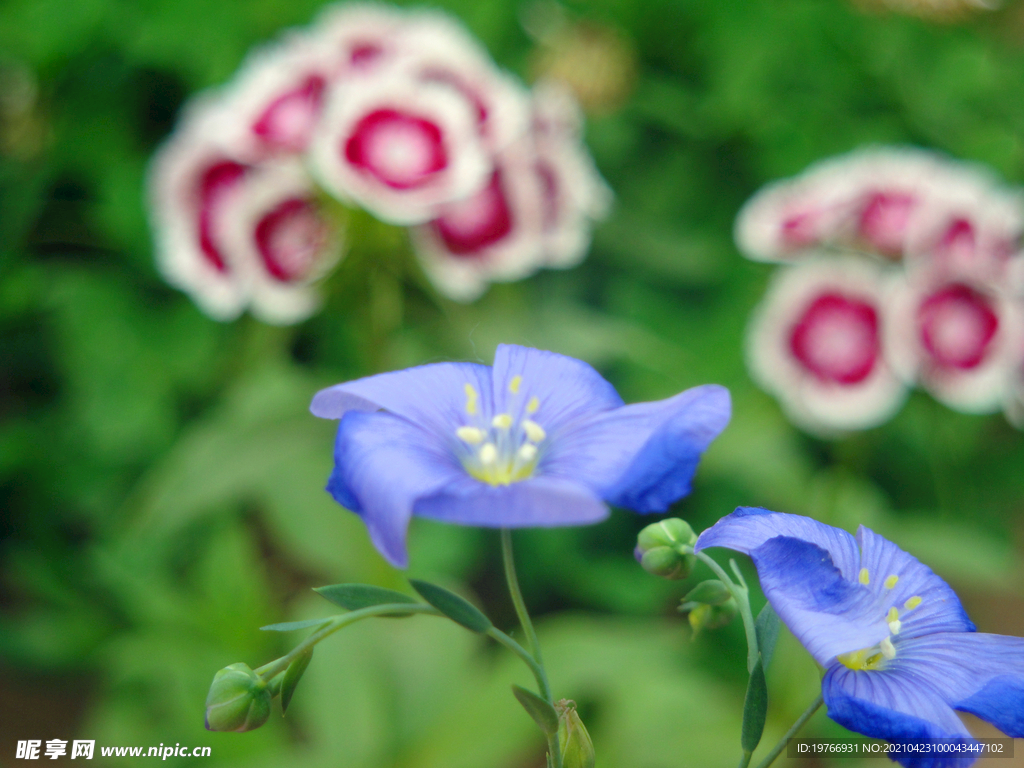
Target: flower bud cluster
661,548
399,112
901,268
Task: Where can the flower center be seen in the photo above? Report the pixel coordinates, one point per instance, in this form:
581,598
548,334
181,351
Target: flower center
503,450
877,655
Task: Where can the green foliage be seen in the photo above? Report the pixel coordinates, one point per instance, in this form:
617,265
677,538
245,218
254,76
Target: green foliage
456,608
539,709
356,596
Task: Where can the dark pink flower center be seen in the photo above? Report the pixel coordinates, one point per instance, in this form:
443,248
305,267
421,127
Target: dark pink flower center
288,121
884,219
214,182
289,239
799,229
471,225
363,55
401,151
836,338
958,240
958,325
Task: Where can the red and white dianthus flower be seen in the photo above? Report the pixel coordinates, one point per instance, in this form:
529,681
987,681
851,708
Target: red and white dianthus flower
816,343
957,337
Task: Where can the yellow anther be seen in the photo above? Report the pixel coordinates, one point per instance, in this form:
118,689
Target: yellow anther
893,615
866,658
513,386
534,431
470,435
533,405
864,577
471,398
895,626
888,649
501,421
912,603
890,582
527,452
488,453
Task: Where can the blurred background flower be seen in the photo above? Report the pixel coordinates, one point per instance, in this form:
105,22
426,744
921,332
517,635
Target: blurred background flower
161,479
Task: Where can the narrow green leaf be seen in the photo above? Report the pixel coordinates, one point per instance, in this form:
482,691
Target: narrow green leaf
356,596
292,675
541,711
711,592
288,626
766,626
755,709
451,605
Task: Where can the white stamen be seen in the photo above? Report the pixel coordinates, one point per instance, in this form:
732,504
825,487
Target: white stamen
888,650
895,626
488,453
470,435
527,452
534,431
501,421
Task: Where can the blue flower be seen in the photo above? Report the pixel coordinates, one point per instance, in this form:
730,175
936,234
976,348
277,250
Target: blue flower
899,652
540,439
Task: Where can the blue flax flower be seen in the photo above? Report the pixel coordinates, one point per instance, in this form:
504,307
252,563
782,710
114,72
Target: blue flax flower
540,439
900,654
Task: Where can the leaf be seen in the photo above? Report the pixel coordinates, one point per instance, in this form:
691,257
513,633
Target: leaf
356,596
289,626
541,711
755,709
451,605
766,626
292,675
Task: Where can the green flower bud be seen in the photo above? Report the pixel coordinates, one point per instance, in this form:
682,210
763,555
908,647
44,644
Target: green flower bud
238,700
713,616
573,739
667,563
667,533
711,592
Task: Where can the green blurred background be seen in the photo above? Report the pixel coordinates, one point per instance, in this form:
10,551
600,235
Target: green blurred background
161,479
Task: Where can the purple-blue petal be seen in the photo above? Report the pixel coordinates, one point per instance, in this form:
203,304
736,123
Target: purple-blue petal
939,610
748,528
826,612
535,502
641,456
566,389
978,673
383,465
887,706
433,396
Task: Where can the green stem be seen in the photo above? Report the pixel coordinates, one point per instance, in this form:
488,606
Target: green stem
532,658
800,723
333,624
745,760
742,595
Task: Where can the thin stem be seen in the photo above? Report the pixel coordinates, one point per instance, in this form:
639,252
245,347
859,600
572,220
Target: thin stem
800,723
528,659
517,595
742,596
333,624
745,760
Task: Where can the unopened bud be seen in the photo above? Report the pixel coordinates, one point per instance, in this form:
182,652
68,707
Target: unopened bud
238,700
667,563
667,533
711,592
573,739
712,616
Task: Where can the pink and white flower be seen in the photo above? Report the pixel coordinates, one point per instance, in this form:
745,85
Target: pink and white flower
398,147
958,337
535,211
816,343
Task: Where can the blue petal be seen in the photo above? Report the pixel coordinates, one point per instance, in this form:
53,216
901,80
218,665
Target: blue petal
641,456
538,501
827,613
384,464
940,609
895,708
977,673
748,528
433,396
566,388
